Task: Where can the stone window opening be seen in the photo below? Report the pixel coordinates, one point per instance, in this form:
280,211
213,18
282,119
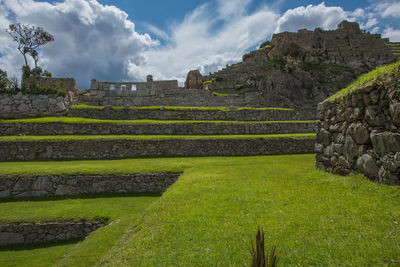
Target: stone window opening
133,87
112,87
123,87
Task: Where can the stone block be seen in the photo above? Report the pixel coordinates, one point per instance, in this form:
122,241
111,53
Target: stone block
385,142
367,165
10,238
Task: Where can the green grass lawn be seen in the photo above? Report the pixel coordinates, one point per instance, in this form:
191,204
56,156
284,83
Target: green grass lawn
123,210
148,137
378,74
84,106
207,217
85,120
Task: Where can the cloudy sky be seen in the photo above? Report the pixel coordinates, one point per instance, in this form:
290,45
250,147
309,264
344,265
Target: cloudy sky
124,40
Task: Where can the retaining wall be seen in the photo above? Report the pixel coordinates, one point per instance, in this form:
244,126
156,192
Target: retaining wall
172,97
165,114
204,128
53,185
113,149
34,233
27,105
361,132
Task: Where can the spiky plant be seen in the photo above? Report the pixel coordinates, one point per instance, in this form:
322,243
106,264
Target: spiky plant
258,253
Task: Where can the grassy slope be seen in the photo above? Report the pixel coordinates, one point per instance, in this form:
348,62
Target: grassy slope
147,137
124,209
208,215
85,120
83,106
367,79
315,218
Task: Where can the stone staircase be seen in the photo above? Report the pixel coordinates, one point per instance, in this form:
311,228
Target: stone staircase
131,133
395,46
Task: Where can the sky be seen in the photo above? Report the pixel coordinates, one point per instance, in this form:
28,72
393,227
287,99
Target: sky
125,40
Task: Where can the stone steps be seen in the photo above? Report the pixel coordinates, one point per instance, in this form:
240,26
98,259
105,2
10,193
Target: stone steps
137,128
87,147
395,46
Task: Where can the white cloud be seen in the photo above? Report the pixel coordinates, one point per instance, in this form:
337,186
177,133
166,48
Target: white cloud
99,41
389,9
196,44
392,34
311,17
227,9
91,40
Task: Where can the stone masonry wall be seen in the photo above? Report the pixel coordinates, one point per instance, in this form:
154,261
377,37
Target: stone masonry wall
361,132
24,105
128,148
204,115
201,128
173,97
53,185
34,233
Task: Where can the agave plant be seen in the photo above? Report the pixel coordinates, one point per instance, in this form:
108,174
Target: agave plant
258,252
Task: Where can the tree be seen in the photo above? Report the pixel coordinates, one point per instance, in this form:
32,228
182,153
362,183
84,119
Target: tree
29,38
4,81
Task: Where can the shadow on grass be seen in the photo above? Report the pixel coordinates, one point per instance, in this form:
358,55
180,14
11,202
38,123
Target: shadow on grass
90,196
41,245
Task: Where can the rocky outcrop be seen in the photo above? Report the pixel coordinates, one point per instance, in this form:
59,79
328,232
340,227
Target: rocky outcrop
302,69
360,130
193,80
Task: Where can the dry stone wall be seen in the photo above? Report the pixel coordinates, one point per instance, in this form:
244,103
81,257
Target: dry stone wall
361,132
171,97
54,185
130,148
34,233
201,128
24,105
202,115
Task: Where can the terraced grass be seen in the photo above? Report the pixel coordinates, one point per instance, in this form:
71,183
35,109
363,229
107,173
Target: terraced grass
148,137
84,106
123,211
366,79
206,218
86,120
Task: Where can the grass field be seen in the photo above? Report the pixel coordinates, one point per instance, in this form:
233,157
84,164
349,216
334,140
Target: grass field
85,120
122,210
148,137
207,217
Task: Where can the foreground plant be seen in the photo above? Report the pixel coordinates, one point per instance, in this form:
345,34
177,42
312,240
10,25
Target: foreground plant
258,253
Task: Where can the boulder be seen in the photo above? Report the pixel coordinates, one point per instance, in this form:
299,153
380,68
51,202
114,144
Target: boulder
367,165
395,112
374,116
350,148
193,80
385,142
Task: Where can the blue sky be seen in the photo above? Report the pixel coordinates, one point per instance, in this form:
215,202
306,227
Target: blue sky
125,40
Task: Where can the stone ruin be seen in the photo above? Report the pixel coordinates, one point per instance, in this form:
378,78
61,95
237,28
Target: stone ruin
360,132
301,69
